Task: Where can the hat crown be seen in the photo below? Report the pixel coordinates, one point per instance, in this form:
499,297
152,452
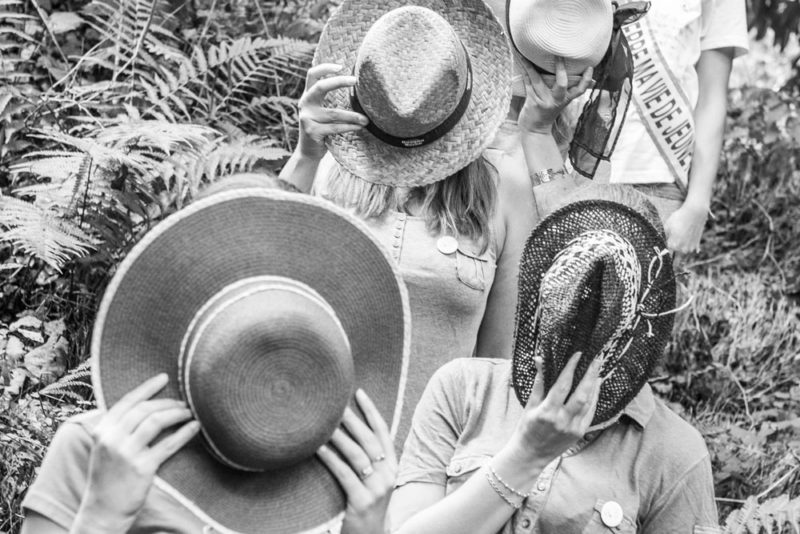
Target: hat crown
577,30
412,71
267,371
592,287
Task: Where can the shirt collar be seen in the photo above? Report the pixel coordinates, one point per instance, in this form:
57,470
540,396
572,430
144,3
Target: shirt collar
639,410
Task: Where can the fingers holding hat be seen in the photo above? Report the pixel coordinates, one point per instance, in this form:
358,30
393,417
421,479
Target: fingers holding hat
318,121
365,466
543,103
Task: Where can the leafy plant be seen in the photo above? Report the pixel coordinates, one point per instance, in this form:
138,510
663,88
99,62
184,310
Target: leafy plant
777,515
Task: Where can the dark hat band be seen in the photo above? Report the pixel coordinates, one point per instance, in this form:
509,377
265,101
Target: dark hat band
430,136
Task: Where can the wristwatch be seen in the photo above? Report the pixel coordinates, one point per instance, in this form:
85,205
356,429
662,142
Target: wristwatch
547,175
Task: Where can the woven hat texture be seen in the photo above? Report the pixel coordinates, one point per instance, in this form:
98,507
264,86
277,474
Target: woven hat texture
266,309
411,61
577,30
594,277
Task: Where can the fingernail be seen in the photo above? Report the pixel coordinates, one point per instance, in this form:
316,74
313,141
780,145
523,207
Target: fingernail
194,426
364,121
360,395
339,67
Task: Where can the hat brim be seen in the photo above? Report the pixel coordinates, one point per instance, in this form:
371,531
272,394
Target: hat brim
649,337
186,260
365,156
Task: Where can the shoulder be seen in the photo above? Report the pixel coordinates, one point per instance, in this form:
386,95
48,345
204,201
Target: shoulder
472,372
676,443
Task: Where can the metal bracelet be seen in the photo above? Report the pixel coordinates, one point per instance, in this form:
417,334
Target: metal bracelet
497,489
509,488
547,175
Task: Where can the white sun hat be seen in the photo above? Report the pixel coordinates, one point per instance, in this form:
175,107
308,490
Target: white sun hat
577,30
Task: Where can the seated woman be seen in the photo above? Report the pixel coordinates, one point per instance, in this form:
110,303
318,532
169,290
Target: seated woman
487,454
233,379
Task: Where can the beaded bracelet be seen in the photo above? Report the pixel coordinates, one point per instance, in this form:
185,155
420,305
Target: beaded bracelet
509,488
499,491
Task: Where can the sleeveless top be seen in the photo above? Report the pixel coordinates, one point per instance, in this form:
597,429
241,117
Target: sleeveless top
447,292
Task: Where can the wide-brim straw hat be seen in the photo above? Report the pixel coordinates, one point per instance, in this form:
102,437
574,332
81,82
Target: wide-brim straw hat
595,277
266,309
577,30
414,71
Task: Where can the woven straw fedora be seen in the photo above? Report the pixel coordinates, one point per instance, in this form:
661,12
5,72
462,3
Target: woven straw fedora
266,309
577,30
433,77
596,277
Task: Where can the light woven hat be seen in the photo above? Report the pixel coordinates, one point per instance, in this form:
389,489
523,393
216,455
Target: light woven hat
433,78
266,309
577,30
595,276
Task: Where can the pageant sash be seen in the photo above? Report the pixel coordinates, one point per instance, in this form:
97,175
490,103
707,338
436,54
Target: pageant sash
664,107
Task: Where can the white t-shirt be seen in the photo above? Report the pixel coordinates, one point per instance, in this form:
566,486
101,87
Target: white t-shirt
683,29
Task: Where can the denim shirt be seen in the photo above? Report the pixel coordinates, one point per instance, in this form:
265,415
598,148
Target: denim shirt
650,462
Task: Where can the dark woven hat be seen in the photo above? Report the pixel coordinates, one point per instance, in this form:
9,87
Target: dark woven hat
595,277
266,309
434,78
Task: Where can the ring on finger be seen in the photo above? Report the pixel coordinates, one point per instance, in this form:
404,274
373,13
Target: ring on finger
381,457
367,471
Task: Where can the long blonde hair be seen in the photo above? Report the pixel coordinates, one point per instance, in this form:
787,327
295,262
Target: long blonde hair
461,204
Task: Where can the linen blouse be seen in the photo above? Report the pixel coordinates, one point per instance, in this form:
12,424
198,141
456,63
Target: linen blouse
650,463
447,289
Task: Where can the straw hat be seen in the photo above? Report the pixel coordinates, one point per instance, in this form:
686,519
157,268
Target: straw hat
433,78
266,309
595,277
577,30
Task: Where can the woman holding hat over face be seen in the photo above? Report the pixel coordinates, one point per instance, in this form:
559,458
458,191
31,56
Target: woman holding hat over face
566,438
233,379
562,48
406,95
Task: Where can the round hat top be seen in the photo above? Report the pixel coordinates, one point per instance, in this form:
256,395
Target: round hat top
266,368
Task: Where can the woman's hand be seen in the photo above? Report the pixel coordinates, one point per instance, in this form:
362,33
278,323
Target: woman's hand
366,469
543,104
684,228
124,457
316,121
549,426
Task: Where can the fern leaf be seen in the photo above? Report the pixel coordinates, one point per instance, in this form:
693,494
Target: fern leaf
772,516
42,233
76,384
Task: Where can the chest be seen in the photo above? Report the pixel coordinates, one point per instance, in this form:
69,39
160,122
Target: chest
445,275
587,492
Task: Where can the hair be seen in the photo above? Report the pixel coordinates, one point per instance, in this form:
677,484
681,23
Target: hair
462,204
243,180
622,194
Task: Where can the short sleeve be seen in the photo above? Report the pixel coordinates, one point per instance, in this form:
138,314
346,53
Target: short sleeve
725,26
58,489
688,506
435,428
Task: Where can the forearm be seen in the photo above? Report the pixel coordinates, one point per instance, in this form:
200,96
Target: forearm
713,71
541,152
477,507
300,171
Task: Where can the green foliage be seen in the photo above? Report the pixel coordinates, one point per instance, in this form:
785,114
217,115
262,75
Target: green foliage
774,515
782,16
113,114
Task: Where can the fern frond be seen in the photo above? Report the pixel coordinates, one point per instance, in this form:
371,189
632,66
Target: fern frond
77,384
777,515
42,232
